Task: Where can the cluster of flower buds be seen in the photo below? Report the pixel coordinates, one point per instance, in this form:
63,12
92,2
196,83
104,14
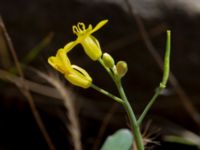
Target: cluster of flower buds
119,70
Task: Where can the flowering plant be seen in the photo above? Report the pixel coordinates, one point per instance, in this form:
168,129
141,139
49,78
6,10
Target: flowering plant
79,77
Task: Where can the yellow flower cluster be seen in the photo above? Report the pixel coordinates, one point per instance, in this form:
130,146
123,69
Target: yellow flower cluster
75,74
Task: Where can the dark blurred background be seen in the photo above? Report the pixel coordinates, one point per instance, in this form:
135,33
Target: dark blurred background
29,22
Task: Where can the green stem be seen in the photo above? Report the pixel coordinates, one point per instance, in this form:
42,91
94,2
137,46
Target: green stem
149,105
132,118
106,68
166,65
166,71
117,99
125,103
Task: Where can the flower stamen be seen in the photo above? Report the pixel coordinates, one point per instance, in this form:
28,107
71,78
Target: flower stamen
75,29
81,27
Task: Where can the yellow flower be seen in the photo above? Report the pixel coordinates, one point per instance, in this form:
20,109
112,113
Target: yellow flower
74,74
90,43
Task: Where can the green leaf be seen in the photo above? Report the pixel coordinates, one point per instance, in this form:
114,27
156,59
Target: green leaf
120,140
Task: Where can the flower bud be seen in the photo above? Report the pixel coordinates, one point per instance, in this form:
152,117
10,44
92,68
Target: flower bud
122,68
108,60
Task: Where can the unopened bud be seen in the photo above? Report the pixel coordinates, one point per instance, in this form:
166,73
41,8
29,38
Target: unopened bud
122,68
108,60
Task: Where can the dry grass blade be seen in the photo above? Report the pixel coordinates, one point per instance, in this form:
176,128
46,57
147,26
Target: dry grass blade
172,129
189,107
33,87
25,89
74,128
4,55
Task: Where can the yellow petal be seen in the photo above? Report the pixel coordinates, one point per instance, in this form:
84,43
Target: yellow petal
62,56
92,48
95,40
82,71
69,46
99,25
77,79
60,62
55,63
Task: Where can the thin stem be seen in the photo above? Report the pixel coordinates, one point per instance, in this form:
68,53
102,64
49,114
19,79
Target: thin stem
106,68
166,71
117,99
125,103
132,117
149,105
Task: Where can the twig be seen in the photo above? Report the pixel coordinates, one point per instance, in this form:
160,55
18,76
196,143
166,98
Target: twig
189,107
74,128
25,89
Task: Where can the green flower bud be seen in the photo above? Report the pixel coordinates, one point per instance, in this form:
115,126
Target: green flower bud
108,60
122,68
